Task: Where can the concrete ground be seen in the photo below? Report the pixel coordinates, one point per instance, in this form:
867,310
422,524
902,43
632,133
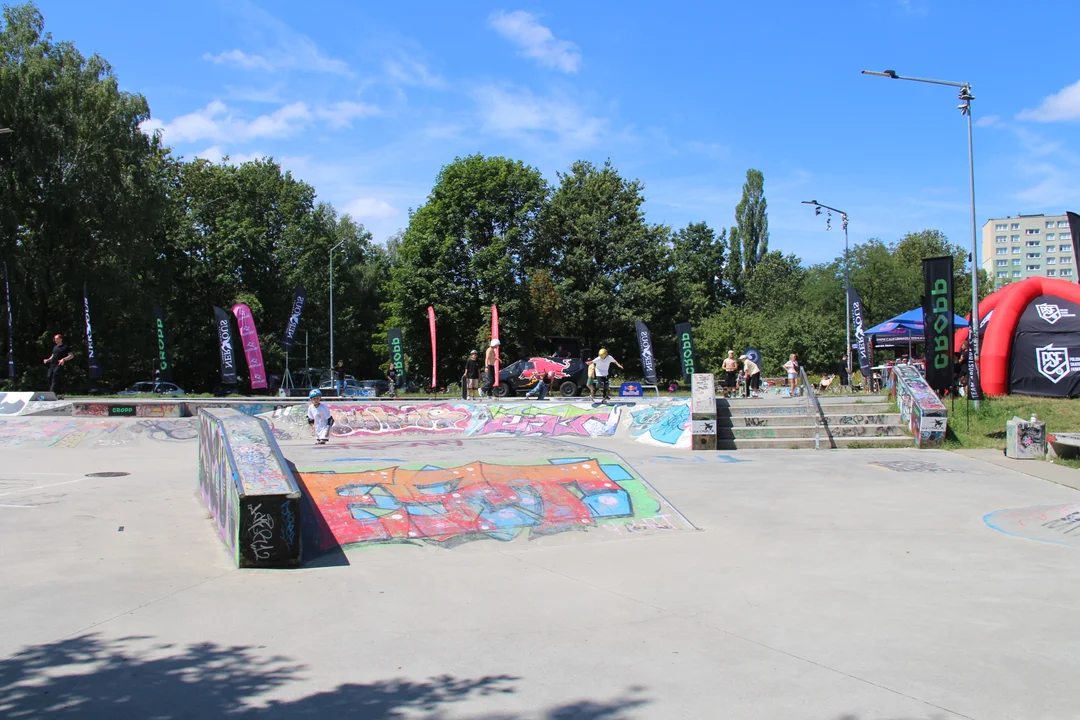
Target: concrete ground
820,585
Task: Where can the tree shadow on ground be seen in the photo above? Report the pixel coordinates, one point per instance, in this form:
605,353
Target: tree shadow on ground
91,676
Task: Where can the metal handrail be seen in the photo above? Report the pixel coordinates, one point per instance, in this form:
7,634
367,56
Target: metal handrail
815,408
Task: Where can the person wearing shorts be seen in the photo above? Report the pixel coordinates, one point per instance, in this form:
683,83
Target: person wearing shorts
472,376
731,373
753,375
792,367
590,382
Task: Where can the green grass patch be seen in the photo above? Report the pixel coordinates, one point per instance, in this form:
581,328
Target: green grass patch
986,428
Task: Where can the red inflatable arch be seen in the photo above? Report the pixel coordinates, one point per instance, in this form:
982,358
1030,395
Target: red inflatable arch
1008,304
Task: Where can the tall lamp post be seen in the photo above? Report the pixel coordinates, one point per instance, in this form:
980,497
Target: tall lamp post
332,307
818,207
965,109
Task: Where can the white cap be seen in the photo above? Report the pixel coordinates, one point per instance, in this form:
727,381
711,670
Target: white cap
495,343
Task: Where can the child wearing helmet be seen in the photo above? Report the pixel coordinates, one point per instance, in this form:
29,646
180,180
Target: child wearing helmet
319,418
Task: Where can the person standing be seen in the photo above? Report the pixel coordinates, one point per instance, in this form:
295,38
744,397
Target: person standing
60,355
391,380
731,373
753,375
489,368
845,379
339,376
590,380
319,418
472,376
792,367
603,362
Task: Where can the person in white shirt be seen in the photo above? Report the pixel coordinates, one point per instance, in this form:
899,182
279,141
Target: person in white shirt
602,364
792,367
319,418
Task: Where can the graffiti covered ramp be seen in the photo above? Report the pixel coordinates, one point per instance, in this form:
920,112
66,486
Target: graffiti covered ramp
477,493
70,433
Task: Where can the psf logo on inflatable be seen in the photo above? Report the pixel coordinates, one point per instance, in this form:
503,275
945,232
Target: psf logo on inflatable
1052,313
1053,362
163,363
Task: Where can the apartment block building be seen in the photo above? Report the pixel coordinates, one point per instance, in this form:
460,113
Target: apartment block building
1015,248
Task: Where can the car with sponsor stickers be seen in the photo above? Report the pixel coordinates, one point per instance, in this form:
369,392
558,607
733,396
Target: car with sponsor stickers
568,376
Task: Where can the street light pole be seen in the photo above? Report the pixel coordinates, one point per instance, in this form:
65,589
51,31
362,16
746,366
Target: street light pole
818,207
965,109
332,307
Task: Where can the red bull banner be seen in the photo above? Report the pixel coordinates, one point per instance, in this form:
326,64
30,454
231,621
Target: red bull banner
495,336
250,340
431,324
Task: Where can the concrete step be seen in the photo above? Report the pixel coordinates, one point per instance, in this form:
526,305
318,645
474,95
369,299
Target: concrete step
831,420
809,431
773,399
765,408
804,443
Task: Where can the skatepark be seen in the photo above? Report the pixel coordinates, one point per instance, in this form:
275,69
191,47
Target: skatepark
525,560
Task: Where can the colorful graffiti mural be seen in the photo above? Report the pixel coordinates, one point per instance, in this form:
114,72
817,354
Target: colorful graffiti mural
1057,524
448,506
69,433
503,419
666,423
920,407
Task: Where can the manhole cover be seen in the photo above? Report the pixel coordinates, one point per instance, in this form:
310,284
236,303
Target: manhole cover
107,474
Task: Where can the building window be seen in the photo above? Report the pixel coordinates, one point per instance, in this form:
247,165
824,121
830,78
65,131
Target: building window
1066,273
1033,243
1064,236
1003,275
1014,226
1015,238
1016,273
1049,224
1051,248
1063,223
1066,261
1051,273
1002,251
1051,261
1032,267
1000,238
1049,236
1034,255
1001,263
1016,261
1033,231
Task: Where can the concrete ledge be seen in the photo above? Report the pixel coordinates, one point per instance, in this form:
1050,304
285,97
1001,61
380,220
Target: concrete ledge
249,489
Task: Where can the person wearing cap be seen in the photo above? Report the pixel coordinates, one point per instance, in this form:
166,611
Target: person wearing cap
753,375
472,376
319,418
602,364
489,367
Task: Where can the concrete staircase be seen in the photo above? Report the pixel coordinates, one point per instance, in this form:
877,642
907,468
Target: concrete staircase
778,422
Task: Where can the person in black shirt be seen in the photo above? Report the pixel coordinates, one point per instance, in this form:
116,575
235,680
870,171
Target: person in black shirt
391,379
472,376
55,361
339,373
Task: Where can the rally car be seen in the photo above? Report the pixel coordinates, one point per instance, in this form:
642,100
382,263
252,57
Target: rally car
568,376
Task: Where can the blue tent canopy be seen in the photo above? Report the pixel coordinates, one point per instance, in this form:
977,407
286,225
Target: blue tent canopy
907,325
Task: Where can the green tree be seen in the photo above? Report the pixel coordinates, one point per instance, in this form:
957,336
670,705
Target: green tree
752,219
607,262
83,192
776,283
466,248
697,263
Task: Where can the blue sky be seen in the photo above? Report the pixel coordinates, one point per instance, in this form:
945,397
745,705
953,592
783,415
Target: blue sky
366,101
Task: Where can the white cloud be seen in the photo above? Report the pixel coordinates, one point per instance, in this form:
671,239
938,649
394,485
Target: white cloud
535,40
212,153
282,48
409,71
368,208
341,114
989,121
217,123
519,113
1062,106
